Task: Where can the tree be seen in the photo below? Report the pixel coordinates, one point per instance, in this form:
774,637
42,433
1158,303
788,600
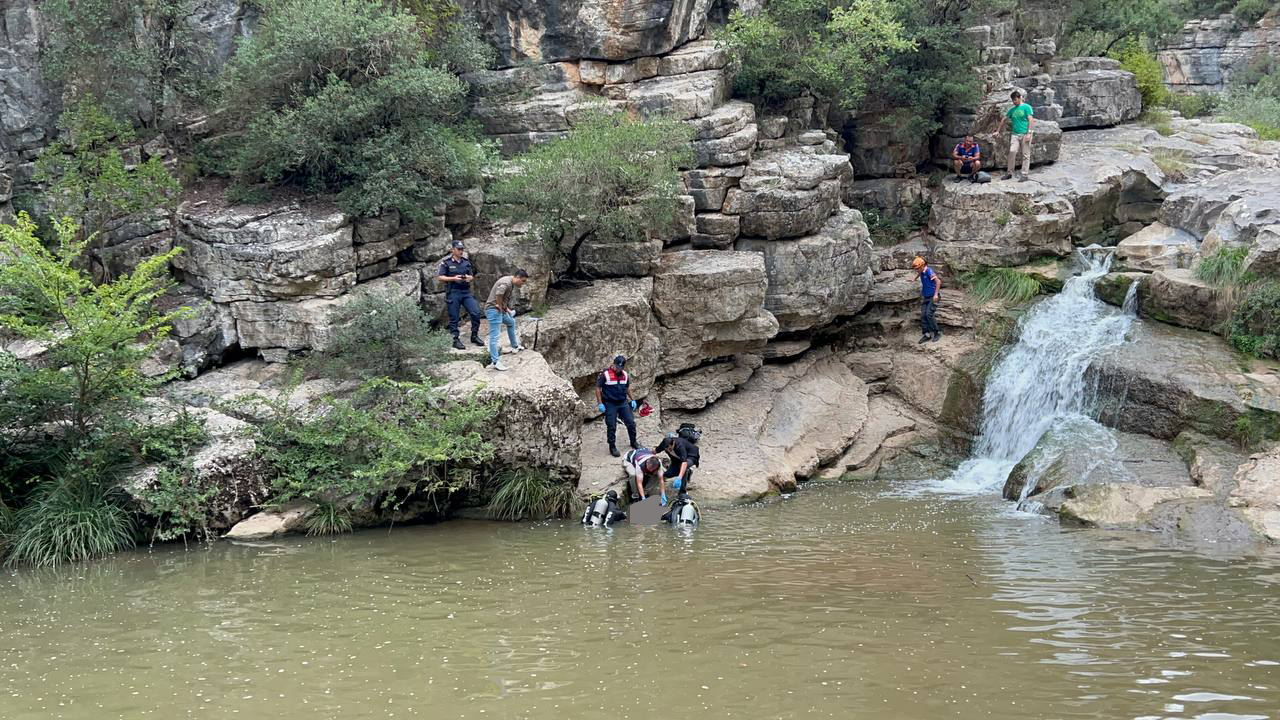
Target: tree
87,176
1096,27
342,96
613,178
832,50
132,56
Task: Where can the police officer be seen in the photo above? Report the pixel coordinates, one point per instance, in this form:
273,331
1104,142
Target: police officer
613,395
457,273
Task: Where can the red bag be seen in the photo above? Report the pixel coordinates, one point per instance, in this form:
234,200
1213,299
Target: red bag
645,409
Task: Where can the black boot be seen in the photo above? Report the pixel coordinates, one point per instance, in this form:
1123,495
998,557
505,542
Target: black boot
634,446
937,336
475,340
457,344
613,450
924,339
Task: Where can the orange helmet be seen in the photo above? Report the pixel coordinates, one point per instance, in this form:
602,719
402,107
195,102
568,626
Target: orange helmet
917,263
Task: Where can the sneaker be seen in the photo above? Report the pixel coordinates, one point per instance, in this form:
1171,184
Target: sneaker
475,340
1023,178
937,336
923,339
517,348
499,366
1007,176
457,344
613,450
957,178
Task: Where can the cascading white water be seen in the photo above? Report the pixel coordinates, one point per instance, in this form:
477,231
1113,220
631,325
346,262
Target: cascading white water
1041,377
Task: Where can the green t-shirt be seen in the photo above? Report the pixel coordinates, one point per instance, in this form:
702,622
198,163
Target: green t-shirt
1021,117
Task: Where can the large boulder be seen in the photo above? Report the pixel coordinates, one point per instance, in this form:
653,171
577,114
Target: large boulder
1198,207
817,278
539,420
583,329
1178,297
501,250
1165,380
291,517
573,29
710,304
1094,92
784,424
1156,247
697,388
204,332
788,192
1257,491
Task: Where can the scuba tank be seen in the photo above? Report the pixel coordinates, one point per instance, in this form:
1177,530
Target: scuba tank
599,511
688,515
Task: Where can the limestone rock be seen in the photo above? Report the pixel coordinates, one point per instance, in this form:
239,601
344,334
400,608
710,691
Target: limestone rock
787,193
501,250
572,29
539,421
1165,380
272,523
785,423
1207,53
684,97
583,329
1197,208
1094,92
896,198
1113,288
1156,247
887,418
709,186
875,149
1120,505
204,333
1178,297
1258,492
814,279
710,304
1212,463
983,122
695,389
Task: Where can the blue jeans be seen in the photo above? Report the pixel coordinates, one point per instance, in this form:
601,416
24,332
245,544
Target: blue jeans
928,325
497,320
456,302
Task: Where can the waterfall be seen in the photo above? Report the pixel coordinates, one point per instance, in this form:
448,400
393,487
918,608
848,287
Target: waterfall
1040,378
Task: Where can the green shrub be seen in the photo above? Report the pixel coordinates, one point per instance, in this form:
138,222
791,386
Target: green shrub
1254,328
328,519
1224,267
1255,107
340,96
532,494
1251,11
1148,72
1157,119
179,504
1097,27
1191,105
613,178
832,50
382,335
88,177
1004,284
72,518
1170,163
388,441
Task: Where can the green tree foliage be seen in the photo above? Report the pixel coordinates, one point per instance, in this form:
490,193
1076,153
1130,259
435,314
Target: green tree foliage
613,178
131,55
342,96
833,50
382,335
1147,71
1097,27
1254,328
388,441
87,176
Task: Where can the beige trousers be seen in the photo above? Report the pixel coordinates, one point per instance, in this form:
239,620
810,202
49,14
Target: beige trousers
1020,143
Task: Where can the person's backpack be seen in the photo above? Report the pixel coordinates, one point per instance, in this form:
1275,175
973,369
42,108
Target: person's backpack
983,177
689,432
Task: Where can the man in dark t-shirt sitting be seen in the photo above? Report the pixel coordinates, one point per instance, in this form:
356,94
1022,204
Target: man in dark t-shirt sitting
966,159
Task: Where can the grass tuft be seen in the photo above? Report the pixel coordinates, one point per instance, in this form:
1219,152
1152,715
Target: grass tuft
328,519
1224,267
1004,284
1157,119
1170,163
70,520
525,493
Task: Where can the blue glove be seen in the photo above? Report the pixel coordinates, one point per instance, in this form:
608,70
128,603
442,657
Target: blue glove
664,499
679,483
600,407
633,404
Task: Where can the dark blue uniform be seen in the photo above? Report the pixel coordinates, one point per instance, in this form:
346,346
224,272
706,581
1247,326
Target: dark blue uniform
613,395
457,295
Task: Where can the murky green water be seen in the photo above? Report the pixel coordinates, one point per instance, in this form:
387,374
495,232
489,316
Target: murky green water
840,602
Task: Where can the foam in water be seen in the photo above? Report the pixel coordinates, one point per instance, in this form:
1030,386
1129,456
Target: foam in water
1041,377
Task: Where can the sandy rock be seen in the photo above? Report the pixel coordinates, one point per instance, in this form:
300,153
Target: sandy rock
785,423
887,418
539,421
817,278
1197,207
1156,247
1211,463
1258,492
697,388
1178,297
272,523
1208,52
1121,506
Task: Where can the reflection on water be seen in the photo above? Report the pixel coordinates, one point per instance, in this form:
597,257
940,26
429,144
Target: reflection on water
842,601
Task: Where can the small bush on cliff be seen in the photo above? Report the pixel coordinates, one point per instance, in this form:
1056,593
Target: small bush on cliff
1191,105
613,178
1147,71
382,335
387,442
1224,267
87,176
832,50
344,96
1250,11
1254,328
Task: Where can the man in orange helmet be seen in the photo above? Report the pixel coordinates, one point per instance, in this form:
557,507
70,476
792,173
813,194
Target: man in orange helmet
930,292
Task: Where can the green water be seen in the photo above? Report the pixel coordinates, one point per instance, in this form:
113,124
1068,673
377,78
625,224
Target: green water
842,601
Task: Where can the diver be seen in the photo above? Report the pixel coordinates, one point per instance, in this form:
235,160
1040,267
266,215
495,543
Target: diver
684,511
603,511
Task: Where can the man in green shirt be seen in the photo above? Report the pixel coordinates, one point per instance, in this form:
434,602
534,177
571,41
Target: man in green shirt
1022,122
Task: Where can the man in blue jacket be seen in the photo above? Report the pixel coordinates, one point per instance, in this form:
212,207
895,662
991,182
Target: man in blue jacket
930,293
613,398
456,272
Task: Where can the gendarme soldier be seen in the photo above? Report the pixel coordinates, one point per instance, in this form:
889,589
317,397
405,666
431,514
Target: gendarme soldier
457,273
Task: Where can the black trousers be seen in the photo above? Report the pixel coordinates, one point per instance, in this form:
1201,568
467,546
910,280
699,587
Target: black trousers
613,413
928,325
